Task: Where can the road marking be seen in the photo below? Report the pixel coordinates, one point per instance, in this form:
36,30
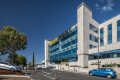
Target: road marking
49,77
45,72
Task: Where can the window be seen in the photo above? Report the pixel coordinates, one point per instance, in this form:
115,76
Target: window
109,33
96,39
114,55
54,50
93,38
118,65
103,55
90,37
118,30
93,28
101,37
69,35
92,46
55,44
69,43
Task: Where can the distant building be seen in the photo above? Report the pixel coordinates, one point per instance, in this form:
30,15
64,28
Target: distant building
43,64
38,65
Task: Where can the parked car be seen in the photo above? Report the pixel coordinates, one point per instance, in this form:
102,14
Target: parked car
8,66
107,72
17,68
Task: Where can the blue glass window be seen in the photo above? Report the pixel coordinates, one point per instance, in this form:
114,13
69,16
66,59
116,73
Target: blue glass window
93,38
93,28
69,35
106,54
101,37
55,44
109,33
54,50
90,37
69,43
92,46
118,30
96,39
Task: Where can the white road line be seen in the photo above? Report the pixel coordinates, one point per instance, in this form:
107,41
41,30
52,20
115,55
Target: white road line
45,72
49,77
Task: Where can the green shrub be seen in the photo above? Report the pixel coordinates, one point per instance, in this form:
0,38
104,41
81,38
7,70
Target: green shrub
85,67
95,63
67,64
110,65
75,66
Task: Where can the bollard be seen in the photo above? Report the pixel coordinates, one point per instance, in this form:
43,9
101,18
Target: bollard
28,70
36,69
55,76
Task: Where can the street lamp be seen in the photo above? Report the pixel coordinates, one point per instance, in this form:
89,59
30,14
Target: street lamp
58,61
98,53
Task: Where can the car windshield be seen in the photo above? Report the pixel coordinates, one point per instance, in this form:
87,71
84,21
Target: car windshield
7,64
13,64
96,69
112,69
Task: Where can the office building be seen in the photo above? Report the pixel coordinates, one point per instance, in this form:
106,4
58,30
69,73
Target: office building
79,44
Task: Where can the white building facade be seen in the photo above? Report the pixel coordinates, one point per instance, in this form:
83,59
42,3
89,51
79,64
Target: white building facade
79,44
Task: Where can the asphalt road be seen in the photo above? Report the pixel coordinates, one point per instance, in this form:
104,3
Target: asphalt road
46,74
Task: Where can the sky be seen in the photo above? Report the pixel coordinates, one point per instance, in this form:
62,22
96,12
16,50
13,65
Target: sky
47,19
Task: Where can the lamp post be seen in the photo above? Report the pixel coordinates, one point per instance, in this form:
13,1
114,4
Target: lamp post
58,61
98,53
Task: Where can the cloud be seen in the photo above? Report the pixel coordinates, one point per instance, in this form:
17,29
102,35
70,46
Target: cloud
97,5
107,7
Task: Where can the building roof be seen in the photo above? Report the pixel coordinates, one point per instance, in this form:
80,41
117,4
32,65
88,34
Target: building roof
84,5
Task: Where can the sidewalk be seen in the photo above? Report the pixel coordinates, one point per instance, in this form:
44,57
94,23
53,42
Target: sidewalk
118,75
74,71
14,77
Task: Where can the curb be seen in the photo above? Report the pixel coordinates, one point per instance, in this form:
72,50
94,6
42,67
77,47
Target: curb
14,76
118,77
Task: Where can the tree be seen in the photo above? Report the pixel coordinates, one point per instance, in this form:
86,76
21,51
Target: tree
19,59
29,63
11,41
33,59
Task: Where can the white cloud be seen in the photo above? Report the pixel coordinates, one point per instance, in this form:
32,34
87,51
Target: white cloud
97,5
107,7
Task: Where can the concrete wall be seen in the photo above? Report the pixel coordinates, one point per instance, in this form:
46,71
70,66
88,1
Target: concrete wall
114,29
105,61
84,19
46,53
108,47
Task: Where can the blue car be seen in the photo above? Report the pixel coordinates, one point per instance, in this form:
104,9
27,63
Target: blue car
106,72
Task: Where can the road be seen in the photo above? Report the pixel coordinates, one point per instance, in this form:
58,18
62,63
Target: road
46,74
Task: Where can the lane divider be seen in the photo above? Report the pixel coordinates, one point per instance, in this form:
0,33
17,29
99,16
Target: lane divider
46,72
49,77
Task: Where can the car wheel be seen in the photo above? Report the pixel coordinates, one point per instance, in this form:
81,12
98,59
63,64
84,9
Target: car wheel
12,69
91,74
109,76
